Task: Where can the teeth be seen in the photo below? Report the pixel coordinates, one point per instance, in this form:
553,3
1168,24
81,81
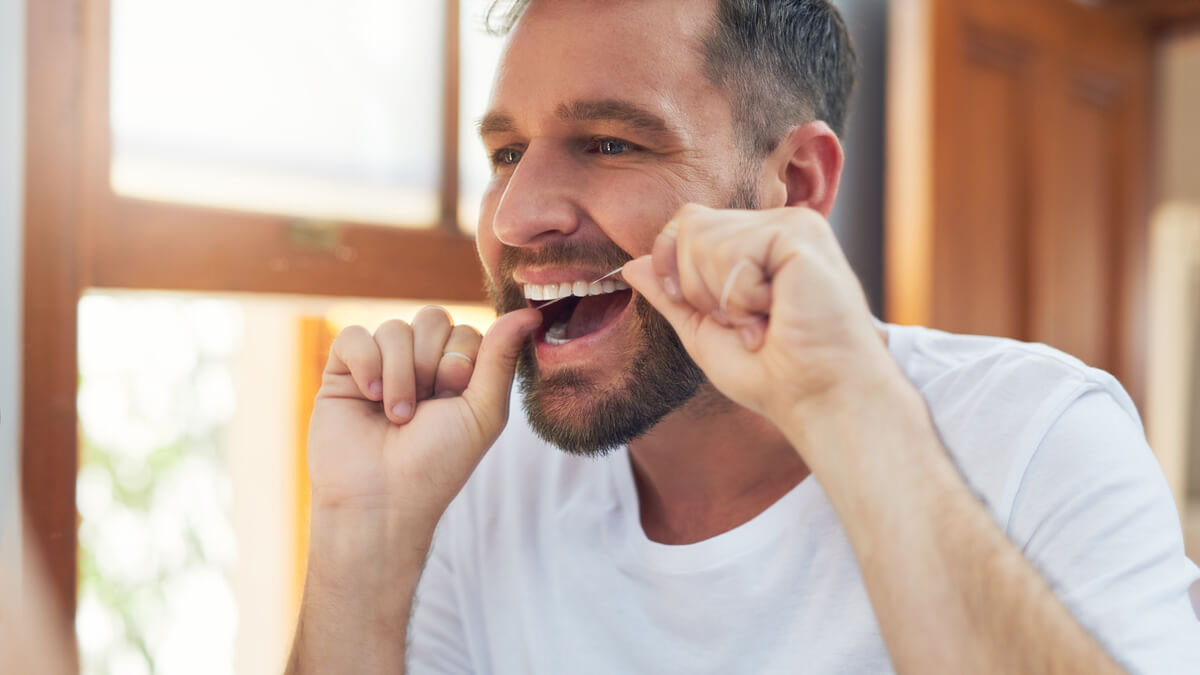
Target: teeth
557,334
578,289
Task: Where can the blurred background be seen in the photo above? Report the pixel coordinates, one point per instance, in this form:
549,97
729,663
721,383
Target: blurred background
196,196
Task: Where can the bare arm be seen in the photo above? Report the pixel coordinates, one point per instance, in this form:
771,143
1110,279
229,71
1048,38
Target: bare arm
357,598
950,591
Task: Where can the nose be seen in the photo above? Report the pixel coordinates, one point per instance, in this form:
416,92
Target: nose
538,202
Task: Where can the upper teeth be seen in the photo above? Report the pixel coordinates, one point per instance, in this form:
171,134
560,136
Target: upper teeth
576,288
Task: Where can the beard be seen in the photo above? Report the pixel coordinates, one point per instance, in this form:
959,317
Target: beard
567,408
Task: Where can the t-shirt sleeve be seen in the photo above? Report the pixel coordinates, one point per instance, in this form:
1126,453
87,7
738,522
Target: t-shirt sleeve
436,635
1094,514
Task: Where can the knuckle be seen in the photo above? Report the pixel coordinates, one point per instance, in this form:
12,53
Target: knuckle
392,329
466,330
688,211
350,335
464,336
433,315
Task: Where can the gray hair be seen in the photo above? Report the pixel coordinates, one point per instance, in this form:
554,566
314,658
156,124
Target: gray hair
782,63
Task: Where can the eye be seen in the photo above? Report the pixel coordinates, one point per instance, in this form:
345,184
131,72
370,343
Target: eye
506,157
609,146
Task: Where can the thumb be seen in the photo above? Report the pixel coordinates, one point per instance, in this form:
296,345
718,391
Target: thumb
491,383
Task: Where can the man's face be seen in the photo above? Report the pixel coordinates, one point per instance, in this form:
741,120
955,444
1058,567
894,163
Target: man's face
601,125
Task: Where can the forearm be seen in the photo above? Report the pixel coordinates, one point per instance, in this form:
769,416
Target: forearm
358,595
951,593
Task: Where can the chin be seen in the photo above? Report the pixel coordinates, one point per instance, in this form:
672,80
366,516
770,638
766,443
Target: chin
570,409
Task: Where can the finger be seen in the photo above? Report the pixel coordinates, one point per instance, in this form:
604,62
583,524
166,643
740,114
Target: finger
703,338
395,340
431,329
491,382
745,292
640,274
458,361
693,251
354,353
662,253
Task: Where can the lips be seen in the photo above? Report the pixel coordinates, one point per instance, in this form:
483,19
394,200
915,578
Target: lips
577,308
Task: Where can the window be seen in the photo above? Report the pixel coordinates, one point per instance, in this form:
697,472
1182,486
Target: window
283,158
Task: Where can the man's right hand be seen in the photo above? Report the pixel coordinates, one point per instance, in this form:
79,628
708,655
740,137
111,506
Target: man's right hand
404,415
402,418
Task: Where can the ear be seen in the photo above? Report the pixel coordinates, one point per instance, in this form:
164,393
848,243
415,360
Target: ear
808,167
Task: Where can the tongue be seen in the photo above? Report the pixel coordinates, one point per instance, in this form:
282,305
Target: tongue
595,311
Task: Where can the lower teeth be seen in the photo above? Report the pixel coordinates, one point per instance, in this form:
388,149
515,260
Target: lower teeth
557,334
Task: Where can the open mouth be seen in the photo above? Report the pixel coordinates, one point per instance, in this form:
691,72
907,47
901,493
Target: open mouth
571,310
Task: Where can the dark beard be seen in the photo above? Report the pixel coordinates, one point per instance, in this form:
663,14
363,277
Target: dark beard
570,411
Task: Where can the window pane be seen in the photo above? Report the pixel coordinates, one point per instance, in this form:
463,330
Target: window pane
480,53
323,108
192,485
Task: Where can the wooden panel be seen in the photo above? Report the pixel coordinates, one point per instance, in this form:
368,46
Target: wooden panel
49,450
1076,254
169,246
990,190
1026,218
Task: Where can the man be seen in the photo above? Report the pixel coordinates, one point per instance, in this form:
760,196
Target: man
757,477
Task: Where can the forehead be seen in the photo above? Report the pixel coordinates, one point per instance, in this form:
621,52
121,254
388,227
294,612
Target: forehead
647,52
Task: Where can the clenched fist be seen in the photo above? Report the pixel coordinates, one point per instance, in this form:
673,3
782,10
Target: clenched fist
404,415
765,303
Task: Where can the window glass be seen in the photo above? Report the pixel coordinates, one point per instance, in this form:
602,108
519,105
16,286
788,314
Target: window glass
327,109
192,487
480,54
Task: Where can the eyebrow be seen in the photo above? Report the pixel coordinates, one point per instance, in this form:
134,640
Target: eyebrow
603,110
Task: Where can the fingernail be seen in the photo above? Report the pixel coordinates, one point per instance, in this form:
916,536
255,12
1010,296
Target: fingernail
402,410
672,229
670,287
375,388
721,318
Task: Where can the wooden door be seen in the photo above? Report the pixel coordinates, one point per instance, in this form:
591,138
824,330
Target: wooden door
1017,172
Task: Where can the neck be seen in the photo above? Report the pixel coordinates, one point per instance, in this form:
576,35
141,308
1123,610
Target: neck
709,467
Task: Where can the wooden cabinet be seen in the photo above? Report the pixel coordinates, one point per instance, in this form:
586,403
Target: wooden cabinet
1017,167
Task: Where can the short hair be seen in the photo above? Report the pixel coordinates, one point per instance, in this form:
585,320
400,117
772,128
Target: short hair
782,63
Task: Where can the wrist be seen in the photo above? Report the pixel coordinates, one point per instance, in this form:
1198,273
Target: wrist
365,555
869,428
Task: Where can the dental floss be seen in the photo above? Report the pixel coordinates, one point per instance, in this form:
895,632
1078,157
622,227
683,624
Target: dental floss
589,286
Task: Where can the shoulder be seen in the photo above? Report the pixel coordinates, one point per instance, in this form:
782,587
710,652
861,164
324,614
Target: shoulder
947,367
995,401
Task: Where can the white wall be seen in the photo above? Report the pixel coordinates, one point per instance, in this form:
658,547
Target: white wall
1178,173
12,108
858,214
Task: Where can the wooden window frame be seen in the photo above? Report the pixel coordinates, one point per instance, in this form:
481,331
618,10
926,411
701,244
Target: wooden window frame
80,235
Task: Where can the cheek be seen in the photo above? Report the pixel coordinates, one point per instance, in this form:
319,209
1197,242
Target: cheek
486,243
633,214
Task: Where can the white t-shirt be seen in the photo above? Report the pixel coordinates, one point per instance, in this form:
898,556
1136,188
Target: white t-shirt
541,564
